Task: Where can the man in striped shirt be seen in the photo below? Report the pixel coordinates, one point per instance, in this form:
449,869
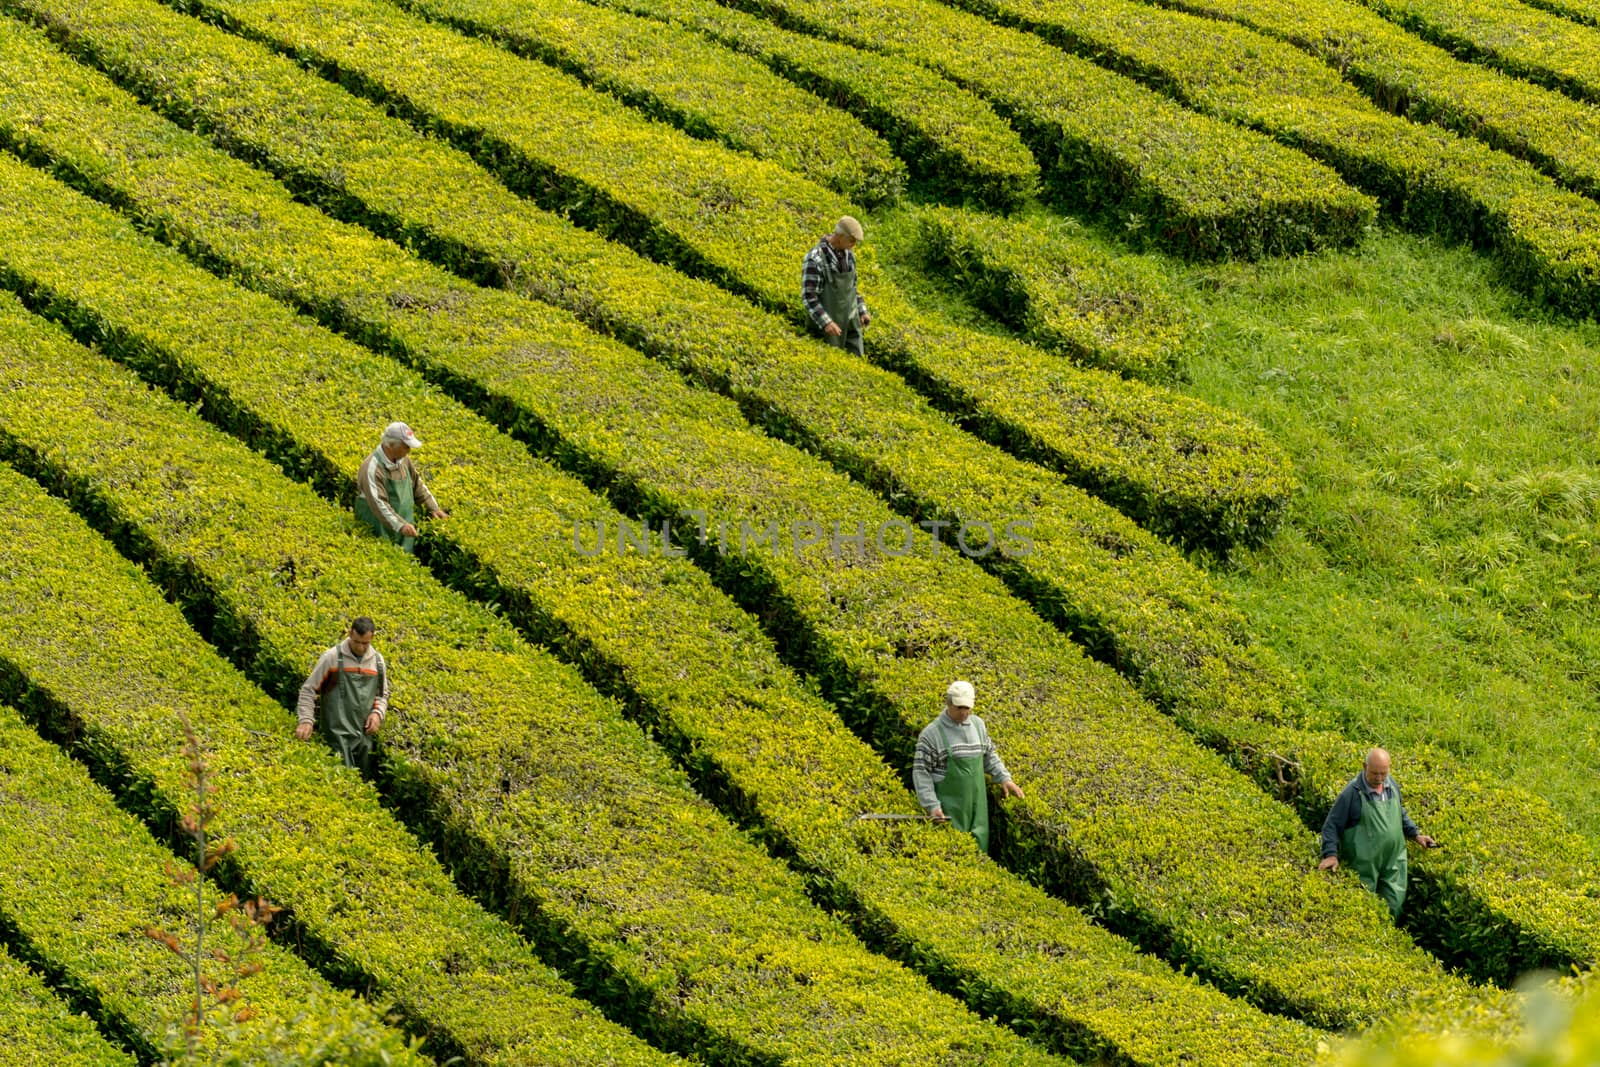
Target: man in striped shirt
953,754
828,287
389,487
350,682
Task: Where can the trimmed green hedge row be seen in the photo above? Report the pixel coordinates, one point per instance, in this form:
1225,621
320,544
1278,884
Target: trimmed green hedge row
1426,84
37,1028
312,836
1080,986
423,195
549,803
81,881
1106,580
1583,11
1547,239
1057,290
1167,176
1069,723
671,623
1184,468
681,78
698,207
950,139
1271,198
1541,47
1218,684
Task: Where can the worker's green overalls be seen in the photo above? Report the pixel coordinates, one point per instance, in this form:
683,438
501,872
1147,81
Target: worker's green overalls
402,497
347,699
962,794
1376,848
838,297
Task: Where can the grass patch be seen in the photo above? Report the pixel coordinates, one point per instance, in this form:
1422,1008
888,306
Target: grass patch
1435,579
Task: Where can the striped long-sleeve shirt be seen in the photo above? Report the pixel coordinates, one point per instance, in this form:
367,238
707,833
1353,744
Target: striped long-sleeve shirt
375,471
325,675
821,263
966,739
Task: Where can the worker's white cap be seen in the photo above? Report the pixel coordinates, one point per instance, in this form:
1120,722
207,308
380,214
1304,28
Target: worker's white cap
849,227
959,695
398,433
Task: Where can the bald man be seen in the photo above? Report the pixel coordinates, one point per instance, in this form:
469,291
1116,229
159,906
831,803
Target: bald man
1368,828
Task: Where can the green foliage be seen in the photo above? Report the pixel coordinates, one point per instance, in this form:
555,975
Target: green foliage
1094,572
1553,1025
1438,419
702,88
1548,49
951,140
1160,173
1547,239
1069,723
1423,83
570,818
1190,472
81,880
36,1027
1059,290
669,623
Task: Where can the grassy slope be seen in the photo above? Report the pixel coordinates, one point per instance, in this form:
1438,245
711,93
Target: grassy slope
1437,576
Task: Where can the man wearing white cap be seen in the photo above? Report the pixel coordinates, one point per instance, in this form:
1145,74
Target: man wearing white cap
389,487
828,287
953,754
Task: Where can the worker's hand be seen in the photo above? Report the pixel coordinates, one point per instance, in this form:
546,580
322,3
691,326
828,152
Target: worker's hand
866,320
373,722
1425,841
831,330
938,815
437,513
302,731
408,530
1329,863
1011,789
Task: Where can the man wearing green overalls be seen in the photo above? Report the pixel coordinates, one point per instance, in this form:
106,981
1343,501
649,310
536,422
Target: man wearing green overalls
828,287
351,682
389,487
1368,828
953,754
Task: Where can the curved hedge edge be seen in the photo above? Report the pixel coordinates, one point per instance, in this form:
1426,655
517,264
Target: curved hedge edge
1146,166
1060,292
1049,655
1051,1021
155,145
39,1027
1490,36
81,887
665,72
1546,239
1414,79
953,142
1578,11
830,966
1208,487
1164,434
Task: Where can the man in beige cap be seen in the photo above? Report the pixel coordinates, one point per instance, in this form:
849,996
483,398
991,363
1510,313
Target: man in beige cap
828,287
388,487
953,754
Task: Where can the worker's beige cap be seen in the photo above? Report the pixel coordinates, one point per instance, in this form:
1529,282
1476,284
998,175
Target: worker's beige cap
849,227
400,434
959,695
